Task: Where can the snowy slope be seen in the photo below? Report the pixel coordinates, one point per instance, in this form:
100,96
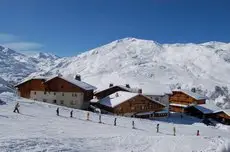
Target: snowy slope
155,66
37,128
5,86
15,66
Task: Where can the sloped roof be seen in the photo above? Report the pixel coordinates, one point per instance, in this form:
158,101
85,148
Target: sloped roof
178,105
78,83
31,78
208,108
146,90
113,100
134,90
194,95
227,111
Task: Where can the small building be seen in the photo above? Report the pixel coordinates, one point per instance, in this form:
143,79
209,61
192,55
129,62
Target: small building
181,99
128,104
99,94
222,116
203,111
57,90
151,91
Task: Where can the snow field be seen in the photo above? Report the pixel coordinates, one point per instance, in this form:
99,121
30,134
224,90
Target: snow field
38,128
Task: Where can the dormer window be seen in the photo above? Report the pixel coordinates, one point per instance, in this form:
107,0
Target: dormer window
62,86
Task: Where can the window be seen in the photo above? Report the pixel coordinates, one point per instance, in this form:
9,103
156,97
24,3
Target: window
75,94
54,101
73,102
35,92
142,107
54,93
44,92
44,100
63,94
62,86
132,108
62,102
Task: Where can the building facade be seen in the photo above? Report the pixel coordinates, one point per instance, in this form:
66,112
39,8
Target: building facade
58,90
181,99
129,104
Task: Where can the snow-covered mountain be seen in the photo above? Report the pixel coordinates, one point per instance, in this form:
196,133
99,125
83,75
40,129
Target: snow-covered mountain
15,66
146,63
140,63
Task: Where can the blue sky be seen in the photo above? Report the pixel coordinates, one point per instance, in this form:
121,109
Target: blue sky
68,27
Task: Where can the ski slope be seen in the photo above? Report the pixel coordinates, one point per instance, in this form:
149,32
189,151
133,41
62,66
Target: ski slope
38,128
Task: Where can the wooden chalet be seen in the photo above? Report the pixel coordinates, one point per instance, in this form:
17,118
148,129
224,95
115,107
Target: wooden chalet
222,116
57,90
181,99
202,111
112,89
129,104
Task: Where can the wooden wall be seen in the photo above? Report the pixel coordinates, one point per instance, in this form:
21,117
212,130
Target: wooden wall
176,109
54,85
182,98
135,105
34,84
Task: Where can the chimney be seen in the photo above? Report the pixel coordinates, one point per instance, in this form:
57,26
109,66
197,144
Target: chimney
117,95
140,91
127,86
193,90
78,77
111,85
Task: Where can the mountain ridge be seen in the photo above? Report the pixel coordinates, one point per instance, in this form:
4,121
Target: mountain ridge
155,66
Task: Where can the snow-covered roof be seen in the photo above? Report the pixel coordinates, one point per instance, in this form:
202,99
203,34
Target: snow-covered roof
94,100
194,95
227,111
178,105
78,83
146,89
208,108
31,78
134,90
113,100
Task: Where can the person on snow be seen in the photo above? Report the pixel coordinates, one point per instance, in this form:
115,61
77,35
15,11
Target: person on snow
174,131
133,125
87,116
71,114
99,117
198,133
115,121
16,107
57,111
158,128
